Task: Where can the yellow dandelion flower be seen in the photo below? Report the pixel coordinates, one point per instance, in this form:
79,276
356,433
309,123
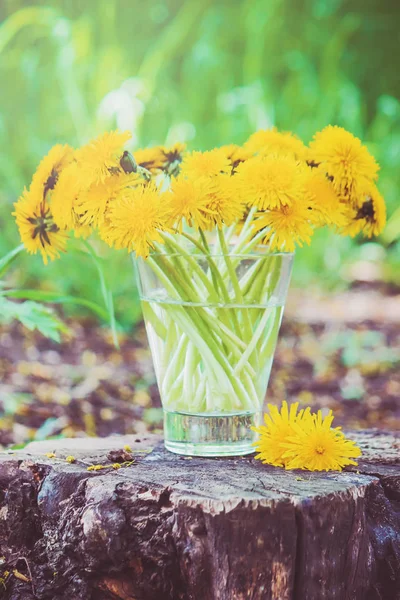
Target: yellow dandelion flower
270,181
135,219
369,216
65,196
236,155
100,158
37,228
188,201
161,159
324,204
205,164
151,159
205,202
172,159
49,169
224,206
316,446
279,425
272,141
343,158
285,226
93,202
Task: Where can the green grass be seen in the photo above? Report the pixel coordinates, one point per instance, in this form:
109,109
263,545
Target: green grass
204,72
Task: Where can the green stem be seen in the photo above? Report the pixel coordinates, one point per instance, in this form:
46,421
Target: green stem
246,246
246,229
235,283
170,242
199,333
216,278
254,341
6,261
107,295
248,279
181,290
175,365
230,340
204,240
157,324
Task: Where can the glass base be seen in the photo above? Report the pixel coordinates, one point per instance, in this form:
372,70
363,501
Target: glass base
210,434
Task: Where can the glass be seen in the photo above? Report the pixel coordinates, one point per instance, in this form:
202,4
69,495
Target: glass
212,323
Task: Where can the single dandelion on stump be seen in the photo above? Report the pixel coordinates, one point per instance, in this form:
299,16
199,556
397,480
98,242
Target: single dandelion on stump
316,446
279,425
303,441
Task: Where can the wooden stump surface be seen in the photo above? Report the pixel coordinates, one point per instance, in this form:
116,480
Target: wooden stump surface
180,528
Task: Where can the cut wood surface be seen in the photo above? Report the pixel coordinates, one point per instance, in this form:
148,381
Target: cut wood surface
178,528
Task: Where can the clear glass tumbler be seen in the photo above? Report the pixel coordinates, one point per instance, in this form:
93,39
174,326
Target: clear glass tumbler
212,323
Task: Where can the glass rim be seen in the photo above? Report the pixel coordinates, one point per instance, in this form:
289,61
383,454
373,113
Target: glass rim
204,256
256,253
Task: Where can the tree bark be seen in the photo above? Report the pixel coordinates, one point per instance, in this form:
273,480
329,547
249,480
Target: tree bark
177,528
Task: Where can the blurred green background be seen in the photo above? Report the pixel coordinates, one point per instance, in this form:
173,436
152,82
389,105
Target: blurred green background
203,72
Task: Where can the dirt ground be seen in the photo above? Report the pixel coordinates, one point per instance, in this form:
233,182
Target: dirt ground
340,352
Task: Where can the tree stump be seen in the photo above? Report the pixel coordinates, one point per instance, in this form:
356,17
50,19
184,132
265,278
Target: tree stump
178,528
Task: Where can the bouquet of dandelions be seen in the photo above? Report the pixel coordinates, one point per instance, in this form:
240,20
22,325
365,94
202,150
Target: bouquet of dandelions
214,232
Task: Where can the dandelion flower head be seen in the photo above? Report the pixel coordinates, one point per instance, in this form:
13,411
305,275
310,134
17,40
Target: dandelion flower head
38,231
369,215
136,218
205,164
65,196
325,207
270,181
272,141
100,158
93,202
236,155
50,168
316,446
345,159
188,201
279,425
224,205
285,226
